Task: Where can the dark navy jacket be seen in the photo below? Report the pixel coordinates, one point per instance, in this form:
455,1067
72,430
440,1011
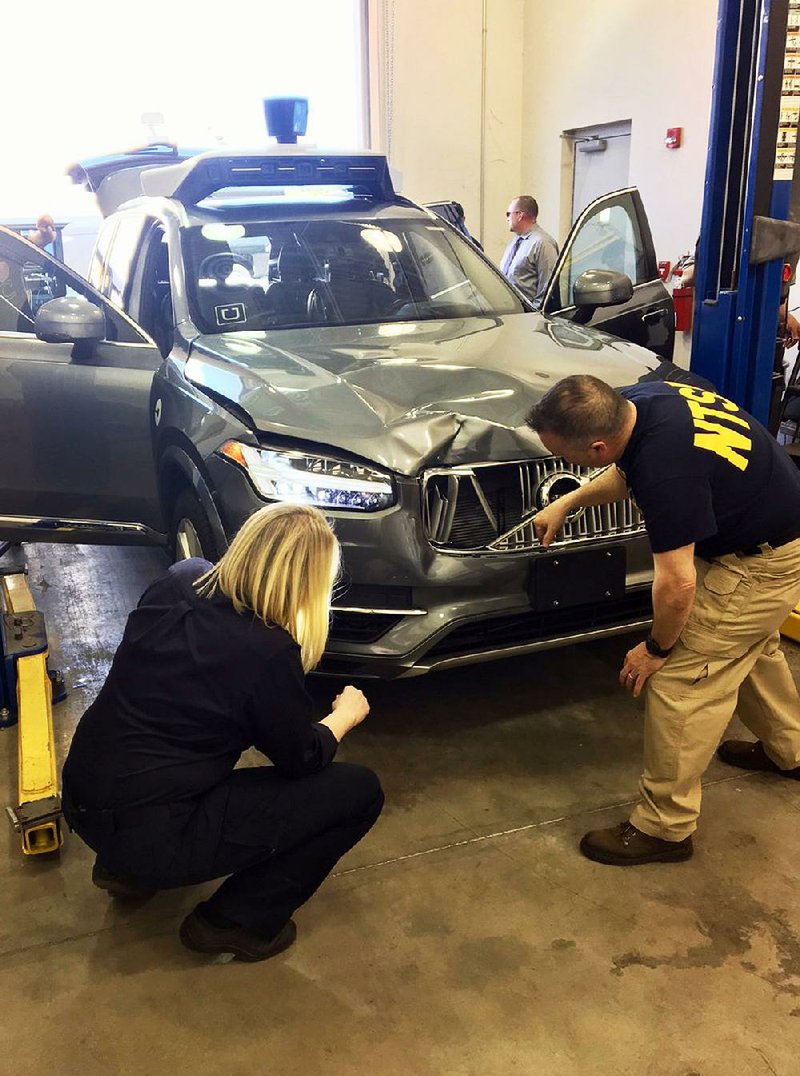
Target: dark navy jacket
192,685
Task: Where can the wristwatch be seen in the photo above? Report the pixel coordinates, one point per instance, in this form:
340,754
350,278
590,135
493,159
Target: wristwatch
656,650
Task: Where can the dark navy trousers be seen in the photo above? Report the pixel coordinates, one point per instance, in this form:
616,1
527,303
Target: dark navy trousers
276,838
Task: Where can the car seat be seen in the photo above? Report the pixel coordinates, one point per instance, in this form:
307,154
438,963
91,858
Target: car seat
286,301
352,293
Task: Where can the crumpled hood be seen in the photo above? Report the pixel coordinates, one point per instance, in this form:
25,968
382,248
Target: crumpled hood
410,395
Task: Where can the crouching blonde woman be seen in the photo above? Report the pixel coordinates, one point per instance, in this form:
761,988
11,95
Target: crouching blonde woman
213,662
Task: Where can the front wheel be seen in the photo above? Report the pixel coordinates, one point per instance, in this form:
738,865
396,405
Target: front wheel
190,531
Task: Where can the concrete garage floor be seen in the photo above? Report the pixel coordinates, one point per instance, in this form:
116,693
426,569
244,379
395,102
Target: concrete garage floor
465,935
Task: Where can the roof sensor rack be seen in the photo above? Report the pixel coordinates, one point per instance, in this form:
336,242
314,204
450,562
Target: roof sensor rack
199,178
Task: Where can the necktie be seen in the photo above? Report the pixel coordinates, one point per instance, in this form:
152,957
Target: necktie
510,259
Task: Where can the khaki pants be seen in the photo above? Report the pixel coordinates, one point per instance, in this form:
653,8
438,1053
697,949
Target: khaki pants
727,660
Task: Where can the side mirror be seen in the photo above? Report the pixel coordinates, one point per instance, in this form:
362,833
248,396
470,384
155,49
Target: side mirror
71,320
602,287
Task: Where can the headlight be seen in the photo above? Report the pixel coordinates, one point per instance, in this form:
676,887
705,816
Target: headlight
308,479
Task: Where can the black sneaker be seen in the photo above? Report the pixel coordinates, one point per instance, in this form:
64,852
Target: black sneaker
201,936
626,846
117,887
751,756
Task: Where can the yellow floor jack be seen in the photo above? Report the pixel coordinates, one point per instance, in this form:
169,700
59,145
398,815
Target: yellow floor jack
791,626
27,692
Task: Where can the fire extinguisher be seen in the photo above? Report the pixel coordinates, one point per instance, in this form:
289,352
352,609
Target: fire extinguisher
683,294
683,301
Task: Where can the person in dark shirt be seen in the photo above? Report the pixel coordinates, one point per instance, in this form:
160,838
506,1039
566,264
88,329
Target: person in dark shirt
212,662
721,505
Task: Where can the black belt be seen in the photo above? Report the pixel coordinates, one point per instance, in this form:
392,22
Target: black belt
756,550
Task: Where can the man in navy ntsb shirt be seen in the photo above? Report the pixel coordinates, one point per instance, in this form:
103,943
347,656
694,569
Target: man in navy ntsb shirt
721,505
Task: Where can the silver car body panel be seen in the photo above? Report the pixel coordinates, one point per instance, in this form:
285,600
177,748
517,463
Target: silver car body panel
496,653
423,394
92,531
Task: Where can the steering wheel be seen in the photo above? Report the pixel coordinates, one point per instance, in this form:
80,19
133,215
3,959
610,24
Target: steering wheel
410,308
212,264
318,306
267,319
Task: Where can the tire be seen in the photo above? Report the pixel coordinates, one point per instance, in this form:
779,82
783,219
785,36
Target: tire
190,531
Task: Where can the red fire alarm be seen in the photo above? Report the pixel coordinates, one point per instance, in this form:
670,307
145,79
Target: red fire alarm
663,269
673,139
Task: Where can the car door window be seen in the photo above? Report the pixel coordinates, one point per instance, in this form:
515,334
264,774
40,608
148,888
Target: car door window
98,266
155,311
16,311
29,278
120,259
607,236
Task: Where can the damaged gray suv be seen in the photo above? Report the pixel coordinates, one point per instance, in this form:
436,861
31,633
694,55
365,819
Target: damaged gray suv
286,327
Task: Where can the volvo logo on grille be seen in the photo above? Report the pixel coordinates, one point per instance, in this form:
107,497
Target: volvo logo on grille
556,485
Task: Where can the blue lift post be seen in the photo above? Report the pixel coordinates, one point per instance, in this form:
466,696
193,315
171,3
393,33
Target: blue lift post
750,218
748,228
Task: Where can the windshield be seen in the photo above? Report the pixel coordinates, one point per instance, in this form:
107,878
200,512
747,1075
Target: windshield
282,274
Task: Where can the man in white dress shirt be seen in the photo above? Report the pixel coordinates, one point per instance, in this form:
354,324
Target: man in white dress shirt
531,255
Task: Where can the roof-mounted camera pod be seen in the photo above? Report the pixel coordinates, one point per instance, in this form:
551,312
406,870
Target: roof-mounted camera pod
287,118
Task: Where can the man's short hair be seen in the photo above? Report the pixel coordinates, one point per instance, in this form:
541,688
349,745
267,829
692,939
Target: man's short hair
581,409
527,205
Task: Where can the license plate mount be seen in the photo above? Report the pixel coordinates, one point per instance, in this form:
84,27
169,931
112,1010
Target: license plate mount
564,580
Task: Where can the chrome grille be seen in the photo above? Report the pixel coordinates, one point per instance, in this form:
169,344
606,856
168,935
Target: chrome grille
489,508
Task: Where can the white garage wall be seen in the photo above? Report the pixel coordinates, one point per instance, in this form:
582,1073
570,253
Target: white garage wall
430,91
651,63
549,68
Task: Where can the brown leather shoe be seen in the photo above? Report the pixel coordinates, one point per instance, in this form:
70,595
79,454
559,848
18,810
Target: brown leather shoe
626,846
202,936
748,755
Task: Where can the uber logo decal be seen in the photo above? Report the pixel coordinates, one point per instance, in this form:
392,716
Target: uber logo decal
230,313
